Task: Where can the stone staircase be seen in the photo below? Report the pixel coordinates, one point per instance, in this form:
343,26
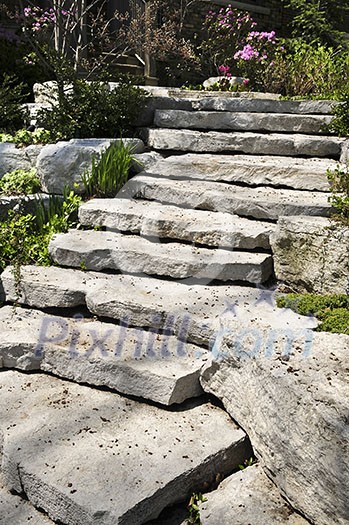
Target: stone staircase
142,294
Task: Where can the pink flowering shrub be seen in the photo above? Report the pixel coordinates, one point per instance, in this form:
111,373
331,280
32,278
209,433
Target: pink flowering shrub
234,43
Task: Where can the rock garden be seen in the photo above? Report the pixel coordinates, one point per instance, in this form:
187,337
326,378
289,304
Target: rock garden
174,272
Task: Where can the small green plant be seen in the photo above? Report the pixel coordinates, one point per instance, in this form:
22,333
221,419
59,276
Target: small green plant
20,182
247,463
24,137
193,508
339,199
108,174
13,114
340,122
24,239
332,310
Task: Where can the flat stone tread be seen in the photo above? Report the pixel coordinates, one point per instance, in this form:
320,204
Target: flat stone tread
194,312
131,361
302,174
101,250
246,142
86,456
260,202
305,107
164,221
241,121
247,497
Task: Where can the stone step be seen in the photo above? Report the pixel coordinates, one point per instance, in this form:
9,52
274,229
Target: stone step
259,203
218,120
131,361
247,497
194,313
253,170
15,510
298,107
100,250
248,142
161,221
87,456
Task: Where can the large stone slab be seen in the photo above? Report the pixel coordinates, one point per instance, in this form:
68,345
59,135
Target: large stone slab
47,287
259,203
12,158
299,174
245,121
17,511
195,313
158,220
63,164
135,362
86,456
293,402
245,142
247,497
99,250
311,254
302,107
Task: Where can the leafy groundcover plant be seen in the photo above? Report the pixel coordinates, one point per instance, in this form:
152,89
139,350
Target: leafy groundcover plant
20,182
332,310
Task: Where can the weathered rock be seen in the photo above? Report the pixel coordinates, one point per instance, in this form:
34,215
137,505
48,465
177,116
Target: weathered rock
63,164
161,221
293,402
247,497
212,81
23,204
300,174
85,455
303,107
47,287
245,142
17,511
145,161
345,152
260,203
12,158
98,250
134,362
218,120
312,254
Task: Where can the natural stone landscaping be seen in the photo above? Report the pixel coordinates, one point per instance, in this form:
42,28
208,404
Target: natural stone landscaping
150,362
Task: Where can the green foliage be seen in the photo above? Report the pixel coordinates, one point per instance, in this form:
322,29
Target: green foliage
193,508
110,172
247,463
13,115
332,310
24,239
22,137
340,121
20,182
339,199
306,70
91,109
319,21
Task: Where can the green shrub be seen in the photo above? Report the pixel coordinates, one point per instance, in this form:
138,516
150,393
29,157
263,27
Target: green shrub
90,109
340,122
305,70
108,174
20,182
339,199
332,310
13,115
23,137
24,239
